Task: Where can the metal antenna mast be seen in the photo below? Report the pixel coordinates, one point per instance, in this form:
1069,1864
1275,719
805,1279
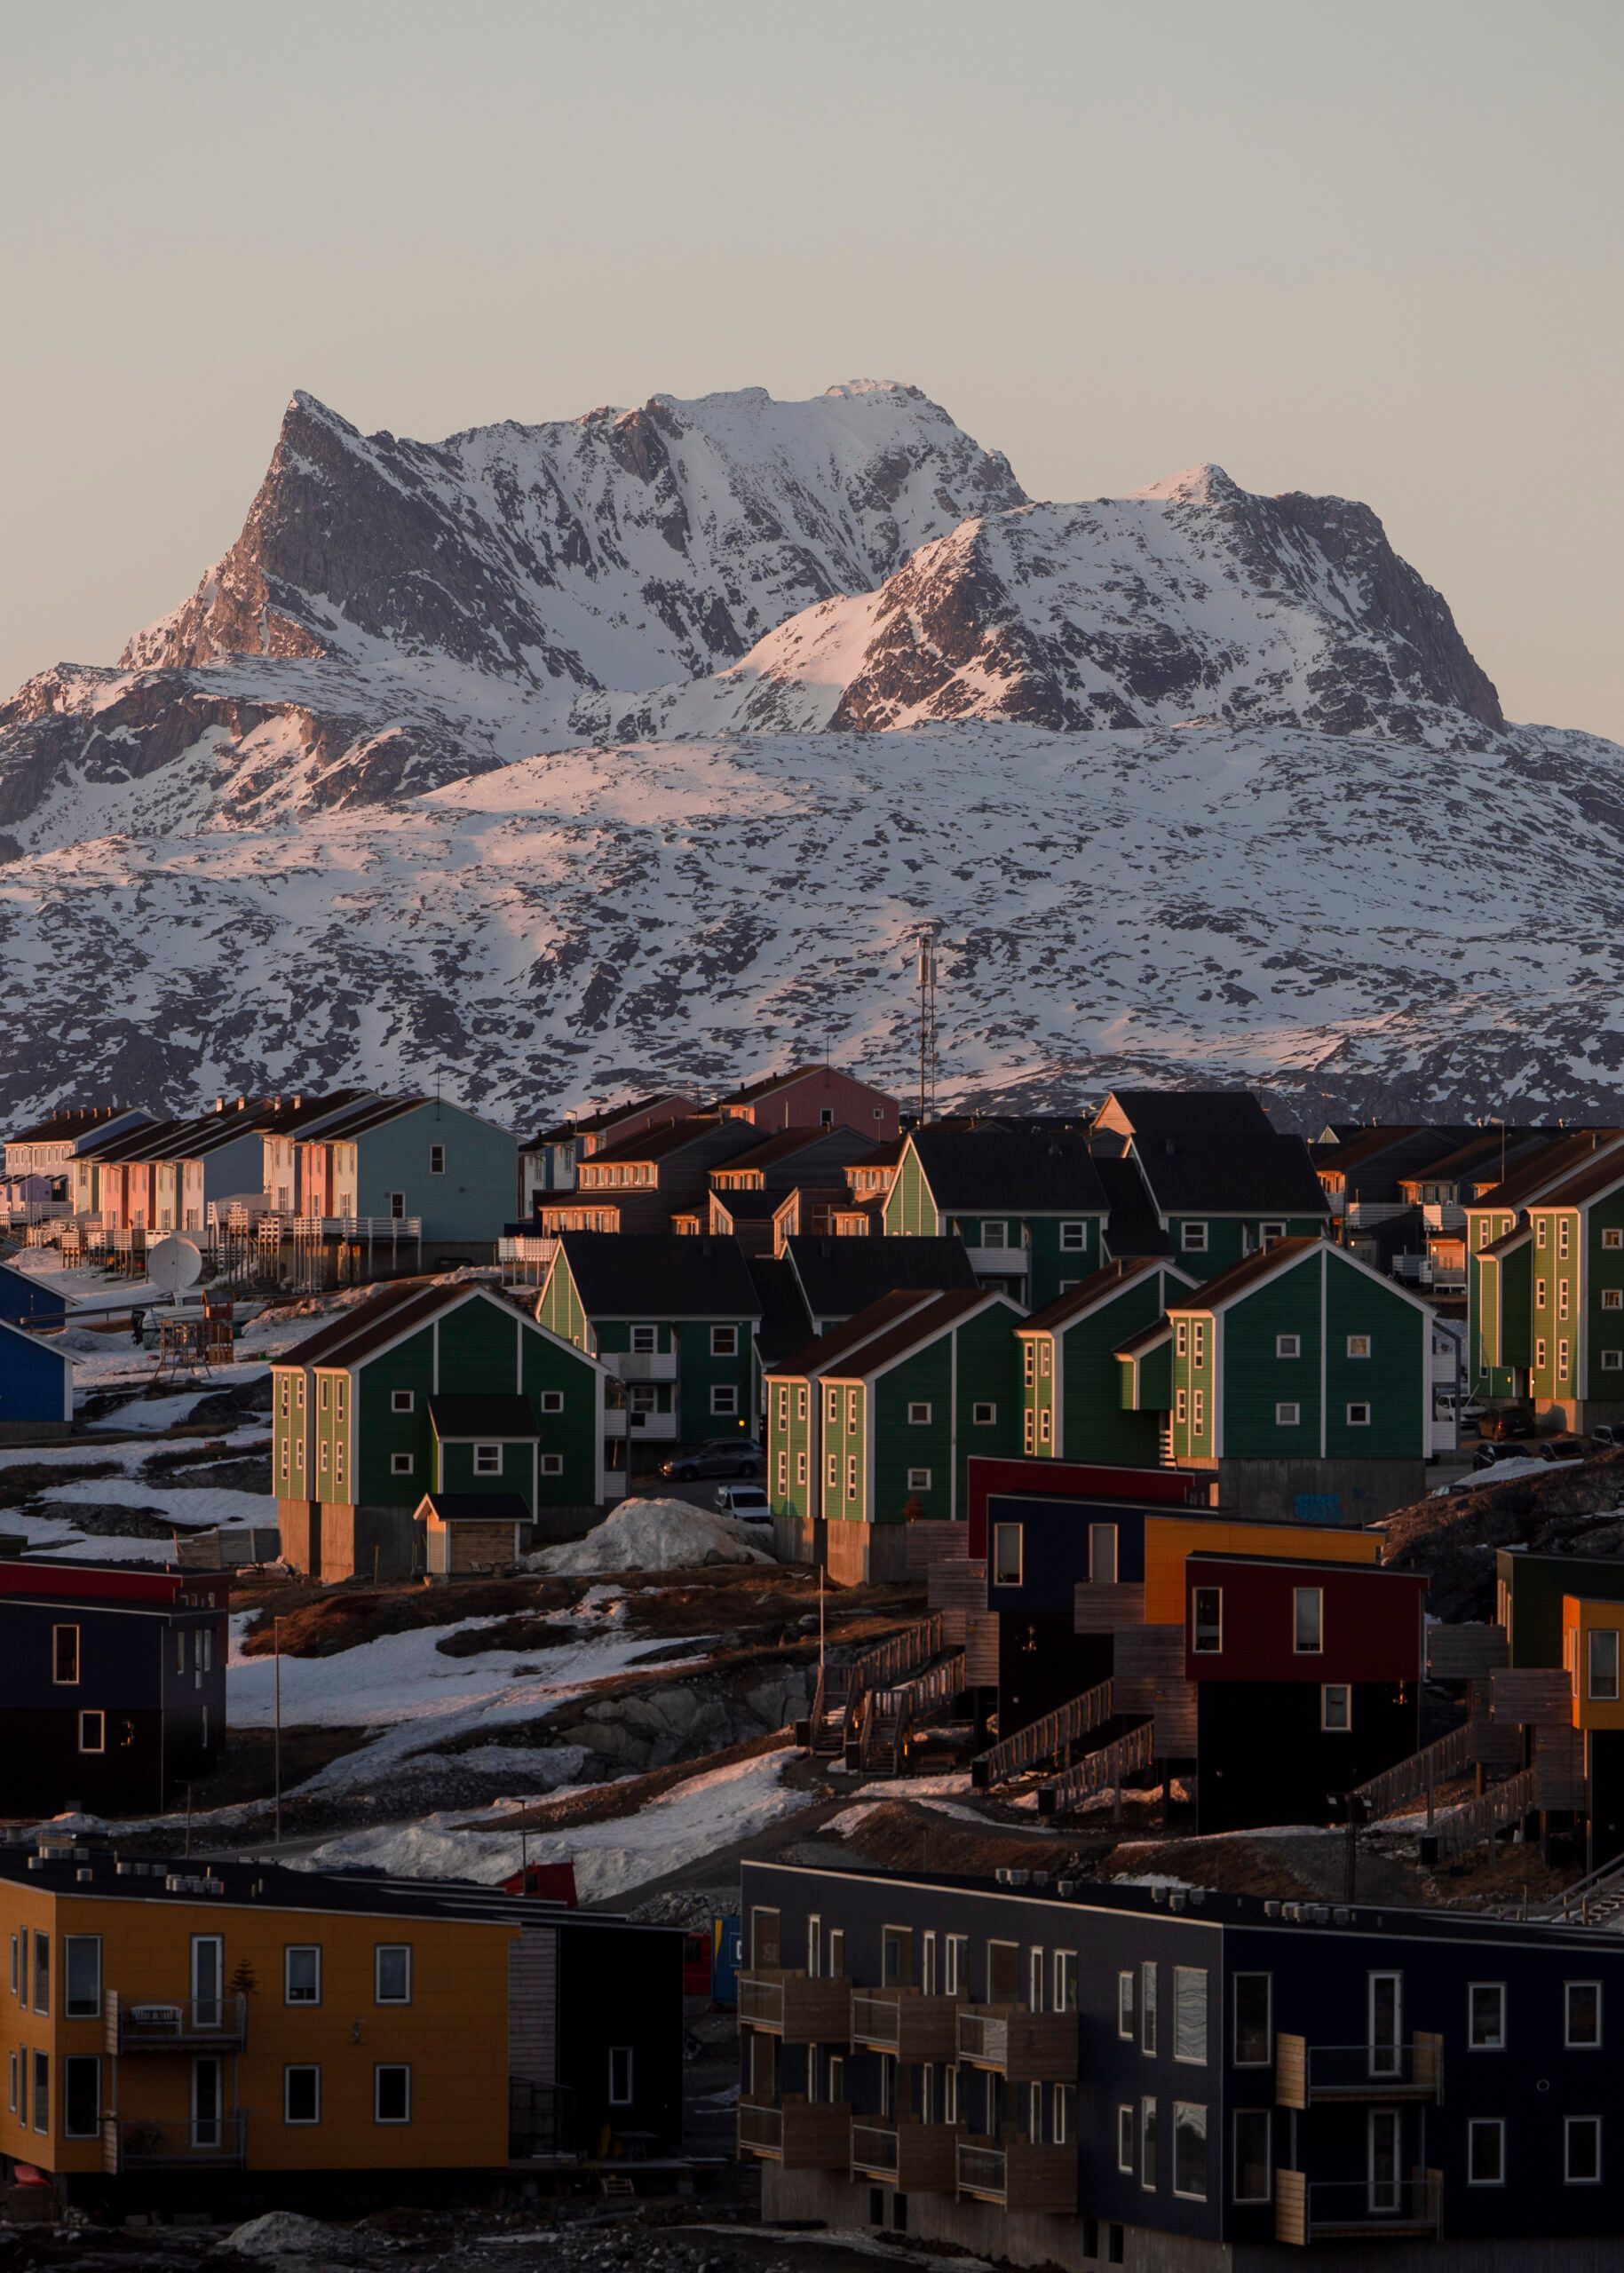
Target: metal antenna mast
929,934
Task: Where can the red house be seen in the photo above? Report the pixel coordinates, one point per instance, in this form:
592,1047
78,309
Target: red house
813,1097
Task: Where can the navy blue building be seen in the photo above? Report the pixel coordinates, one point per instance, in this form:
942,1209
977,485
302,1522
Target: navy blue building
26,1301
36,1387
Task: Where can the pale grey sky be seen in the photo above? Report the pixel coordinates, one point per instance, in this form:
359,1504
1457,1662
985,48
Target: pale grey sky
1367,249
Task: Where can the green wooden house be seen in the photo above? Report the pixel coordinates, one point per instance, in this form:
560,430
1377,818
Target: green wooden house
1576,1321
1027,1203
1302,1376
1499,1265
1072,1398
447,1388
794,1412
673,1319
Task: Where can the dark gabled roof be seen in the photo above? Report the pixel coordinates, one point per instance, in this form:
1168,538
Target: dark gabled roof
1132,1229
370,1112
69,1120
770,1150
1190,1113
590,1124
836,1346
399,1309
1587,1182
784,1324
1147,1338
1077,1300
1266,1175
811,1195
747,1092
749,1206
1550,1168
493,1414
287,1116
1507,1241
1371,1165
1488,1146
839,1277
659,1275
665,1137
1008,1172
477,1507
939,1315
130,1144
1250,1272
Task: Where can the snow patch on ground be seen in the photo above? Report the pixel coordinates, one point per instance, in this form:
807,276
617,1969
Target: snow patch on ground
653,1535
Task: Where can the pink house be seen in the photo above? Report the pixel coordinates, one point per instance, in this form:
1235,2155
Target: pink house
813,1097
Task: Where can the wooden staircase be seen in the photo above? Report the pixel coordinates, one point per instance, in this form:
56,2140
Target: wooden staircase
1050,1737
1105,1770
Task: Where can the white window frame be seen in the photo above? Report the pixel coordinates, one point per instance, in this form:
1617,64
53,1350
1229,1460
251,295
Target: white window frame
551,1463
1186,2109
983,1413
290,1950
437,1159
66,1680
79,2010
1197,1626
397,1207
643,1340
1569,2042
1125,2026
488,1460
1183,1976
1570,2123
918,1480
1497,2042
1477,2127
1359,1413
1288,1345
724,1341
724,1400
1193,1238
998,1224
1074,1238
919,1413
1288,1413
1609,1693
1612,1361
401,1463
1000,1534
1299,1648
1126,2136
92,1730
379,1951
1612,1238
552,1400
395,2068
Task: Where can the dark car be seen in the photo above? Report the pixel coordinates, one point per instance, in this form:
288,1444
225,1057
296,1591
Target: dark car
1490,1454
721,1456
1502,1427
1564,1448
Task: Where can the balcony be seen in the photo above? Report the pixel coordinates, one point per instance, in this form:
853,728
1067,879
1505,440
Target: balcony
999,1261
799,2133
177,2143
795,2007
645,1428
1022,2047
1018,2171
916,2157
1309,2075
641,1365
177,2024
905,2022
1356,2209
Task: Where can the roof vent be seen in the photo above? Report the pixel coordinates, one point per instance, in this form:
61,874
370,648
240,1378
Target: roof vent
123,1870
1159,1894
174,1883
1271,1910
36,1862
1342,1917
1019,1878
83,1875
1175,1897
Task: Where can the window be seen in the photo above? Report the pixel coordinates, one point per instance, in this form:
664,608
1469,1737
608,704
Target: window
1561,1298
800,1401
724,1398
396,1209
1207,1620
851,1412
1045,1426
82,2096
800,1468
392,1973
983,1415
1101,1555
301,2094
1359,1345
996,1234
391,2092
1613,1239
852,1475
1582,2149
1190,2014
1190,2151
302,1973
1539,1230
1268,1234
1563,1228
1197,1411
1539,1294
1181,1405
1561,1361
918,1480
918,1416
1308,1621
1181,1338
41,2091
1074,1238
488,1460
1007,1557
1288,1345
64,1654
1359,1416
643,1340
1612,1361
437,1159
1124,2139
1035,1987
1028,1361
1046,1351
1486,2151
92,1732
552,1400
1198,1342
1581,2015
1603,1673
1147,2145
401,1463
11,2072
82,1976
1147,2006
832,1471
1066,1981
1193,1238
1254,2020
955,1969
1540,1350
896,1957
42,1971
1486,2016
1252,2156
1337,1708
1124,2005
1287,1414
724,1341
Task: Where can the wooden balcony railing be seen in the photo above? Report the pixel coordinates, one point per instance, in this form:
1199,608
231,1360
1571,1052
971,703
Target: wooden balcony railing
1306,2075
905,2022
916,2157
786,2003
1021,2046
176,2023
1314,2210
1018,2171
799,2133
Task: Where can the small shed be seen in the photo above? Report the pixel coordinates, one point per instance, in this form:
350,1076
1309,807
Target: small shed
27,1301
471,1530
36,1387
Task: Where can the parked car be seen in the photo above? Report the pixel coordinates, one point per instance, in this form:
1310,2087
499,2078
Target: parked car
1607,1435
1499,1427
1490,1454
1564,1448
719,1456
1471,1418
748,1501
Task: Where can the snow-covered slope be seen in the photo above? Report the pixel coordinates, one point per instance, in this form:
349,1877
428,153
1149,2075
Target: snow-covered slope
549,759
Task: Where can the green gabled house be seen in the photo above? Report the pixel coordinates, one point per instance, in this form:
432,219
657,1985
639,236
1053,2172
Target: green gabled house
444,1388
1300,1376
673,1319
1500,1263
1221,1199
1028,1204
1576,1321
1072,1395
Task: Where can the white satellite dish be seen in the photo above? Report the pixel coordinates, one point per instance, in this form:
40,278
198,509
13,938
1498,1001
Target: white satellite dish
173,1265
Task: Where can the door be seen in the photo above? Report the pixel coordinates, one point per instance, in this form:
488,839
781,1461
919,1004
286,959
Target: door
208,1980
205,2104
1382,2150
1386,2036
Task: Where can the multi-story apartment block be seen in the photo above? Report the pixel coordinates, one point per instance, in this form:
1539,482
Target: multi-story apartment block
1071,1376
1028,1206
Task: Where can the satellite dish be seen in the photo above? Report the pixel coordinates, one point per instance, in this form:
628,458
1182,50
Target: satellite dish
173,1265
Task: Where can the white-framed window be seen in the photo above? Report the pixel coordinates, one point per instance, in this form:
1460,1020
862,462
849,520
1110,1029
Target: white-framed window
1486,2151
1045,1425
552,1400
644,1340
1124,2004
1539,1294
1147,2006
1540,1353
1563,1229
724,1341
1125,2137
724,1398
1066,1981
437,1159
1602,1665
1197,1411
1198,1342
1181,1405
800,1468
1486,2016
800,1401
1359,1345
1267,1233
1613,1239
1308,1621
92,1732
1181,1338
851,1474
994,1234
82,1976
983,1414
1193,1238
1561,1298
1581,2149
1252,2157
1581,2015
1612,1361
1358,1414
918,1480
831,1468
401,1463
391,2092
1148,2141
302,2093
552,1463
1074,1238
1254,2020
1189,2151
65,1656
1007,1554
1336,1708
302,1973
1539,1230
392,1973
1207,1620
918,1414
1562,1359
1288,1345
1190,2014
621,2073
397,1206
488,1460
850,1413
1028,1361
1288,1413
780,1469
1046,1352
